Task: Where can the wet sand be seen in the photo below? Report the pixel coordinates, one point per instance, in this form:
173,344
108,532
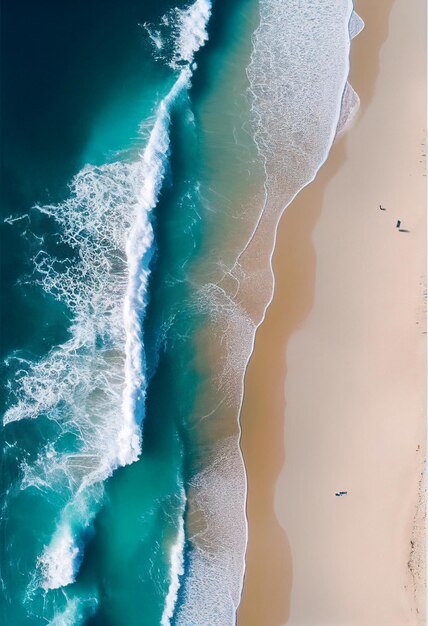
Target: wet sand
335,389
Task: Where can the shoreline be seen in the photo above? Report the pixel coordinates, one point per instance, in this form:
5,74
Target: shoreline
269,551
224,411
339,128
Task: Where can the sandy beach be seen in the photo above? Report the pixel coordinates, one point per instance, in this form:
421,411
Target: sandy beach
335,390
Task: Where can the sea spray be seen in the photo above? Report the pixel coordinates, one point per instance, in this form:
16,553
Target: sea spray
297,75
59,562
180,34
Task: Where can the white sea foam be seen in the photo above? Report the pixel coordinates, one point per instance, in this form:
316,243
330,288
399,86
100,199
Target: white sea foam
12,220
60,559
48,471
211,592
79,384
176,559
180,34
93,385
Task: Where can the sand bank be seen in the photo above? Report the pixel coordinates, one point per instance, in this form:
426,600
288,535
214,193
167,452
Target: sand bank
345,331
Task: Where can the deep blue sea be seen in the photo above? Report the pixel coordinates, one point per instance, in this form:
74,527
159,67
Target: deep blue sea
148,150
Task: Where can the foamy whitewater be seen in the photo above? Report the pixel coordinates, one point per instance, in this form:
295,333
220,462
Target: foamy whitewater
94,384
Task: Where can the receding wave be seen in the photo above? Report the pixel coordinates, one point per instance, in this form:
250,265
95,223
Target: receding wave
300,99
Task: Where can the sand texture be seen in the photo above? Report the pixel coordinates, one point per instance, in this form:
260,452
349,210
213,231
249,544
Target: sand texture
335,392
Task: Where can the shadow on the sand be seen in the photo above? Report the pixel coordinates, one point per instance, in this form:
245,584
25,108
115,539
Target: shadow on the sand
269,572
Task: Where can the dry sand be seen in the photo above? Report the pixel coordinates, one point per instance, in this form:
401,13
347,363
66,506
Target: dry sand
346,332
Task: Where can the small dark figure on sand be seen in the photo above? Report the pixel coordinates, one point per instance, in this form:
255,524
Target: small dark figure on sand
401,230
382,208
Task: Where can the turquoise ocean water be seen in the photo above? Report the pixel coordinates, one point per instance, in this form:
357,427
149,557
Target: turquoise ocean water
145,145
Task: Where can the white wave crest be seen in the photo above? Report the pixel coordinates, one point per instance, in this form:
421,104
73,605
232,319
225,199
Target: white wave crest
57,562
138,242
176,559
61,557
80,383
211,590
180,34
191,31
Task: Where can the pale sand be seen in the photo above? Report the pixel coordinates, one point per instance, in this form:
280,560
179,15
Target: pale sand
345,330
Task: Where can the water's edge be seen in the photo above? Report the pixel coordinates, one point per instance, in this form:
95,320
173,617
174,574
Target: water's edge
355,25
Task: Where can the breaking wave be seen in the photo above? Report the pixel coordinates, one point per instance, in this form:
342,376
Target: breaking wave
180,34
176,557
93,385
